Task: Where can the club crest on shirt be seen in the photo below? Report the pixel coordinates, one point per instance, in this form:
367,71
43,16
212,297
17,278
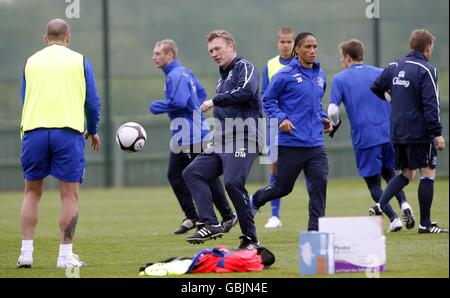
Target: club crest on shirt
298,77
320,82
230,74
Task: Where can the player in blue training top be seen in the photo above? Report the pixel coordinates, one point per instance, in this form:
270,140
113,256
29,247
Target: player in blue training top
285,44
58,94
369,121
416,129
294,99
184,95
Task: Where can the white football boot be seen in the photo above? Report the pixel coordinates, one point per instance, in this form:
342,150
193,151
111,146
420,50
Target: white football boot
24,262
69,261
395,226
273,223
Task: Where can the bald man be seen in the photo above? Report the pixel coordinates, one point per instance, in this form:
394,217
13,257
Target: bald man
58,93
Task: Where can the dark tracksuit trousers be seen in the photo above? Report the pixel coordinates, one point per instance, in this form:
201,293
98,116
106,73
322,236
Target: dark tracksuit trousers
177,164
235,168
291,161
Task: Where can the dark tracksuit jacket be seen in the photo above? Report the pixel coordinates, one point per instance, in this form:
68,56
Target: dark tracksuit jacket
412,84
237,98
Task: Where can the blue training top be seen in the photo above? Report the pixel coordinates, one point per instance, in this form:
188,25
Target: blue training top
368,115
184,95
295,93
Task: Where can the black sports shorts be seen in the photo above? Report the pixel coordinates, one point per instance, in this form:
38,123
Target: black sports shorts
415,155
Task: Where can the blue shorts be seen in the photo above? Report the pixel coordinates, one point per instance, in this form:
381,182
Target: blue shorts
53,151
371,160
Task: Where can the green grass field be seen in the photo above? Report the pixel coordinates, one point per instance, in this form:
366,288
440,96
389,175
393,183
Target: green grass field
120,230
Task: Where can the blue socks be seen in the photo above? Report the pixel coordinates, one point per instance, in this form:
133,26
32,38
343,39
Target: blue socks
425,194
374,185
387,175
394,187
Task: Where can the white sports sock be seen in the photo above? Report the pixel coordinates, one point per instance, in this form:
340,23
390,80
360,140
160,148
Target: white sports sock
27,248
65,250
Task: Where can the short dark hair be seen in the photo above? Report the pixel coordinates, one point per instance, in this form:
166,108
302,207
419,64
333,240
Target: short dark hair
285,30
353,48
299,39
420,39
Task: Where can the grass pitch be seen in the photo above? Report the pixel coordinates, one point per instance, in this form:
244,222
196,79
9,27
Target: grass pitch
120,230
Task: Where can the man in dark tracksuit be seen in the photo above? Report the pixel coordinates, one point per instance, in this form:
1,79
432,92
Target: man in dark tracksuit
234,148
416,132
294,98
184,94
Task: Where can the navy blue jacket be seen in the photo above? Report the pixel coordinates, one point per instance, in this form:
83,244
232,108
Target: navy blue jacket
296,93
412,84
237,95
184,95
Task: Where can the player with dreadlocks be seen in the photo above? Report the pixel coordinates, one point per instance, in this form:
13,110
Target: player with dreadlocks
294,98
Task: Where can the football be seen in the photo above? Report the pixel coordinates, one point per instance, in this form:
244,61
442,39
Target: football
131,137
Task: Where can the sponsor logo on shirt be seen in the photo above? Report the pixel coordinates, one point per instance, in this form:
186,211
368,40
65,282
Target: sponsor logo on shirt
400,82
399,79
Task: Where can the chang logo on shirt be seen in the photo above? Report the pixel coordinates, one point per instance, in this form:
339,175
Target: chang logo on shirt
400,82
320,82
298,77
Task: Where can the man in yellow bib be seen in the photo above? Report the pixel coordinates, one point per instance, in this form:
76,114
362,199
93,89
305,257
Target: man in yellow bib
58,92
285,44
